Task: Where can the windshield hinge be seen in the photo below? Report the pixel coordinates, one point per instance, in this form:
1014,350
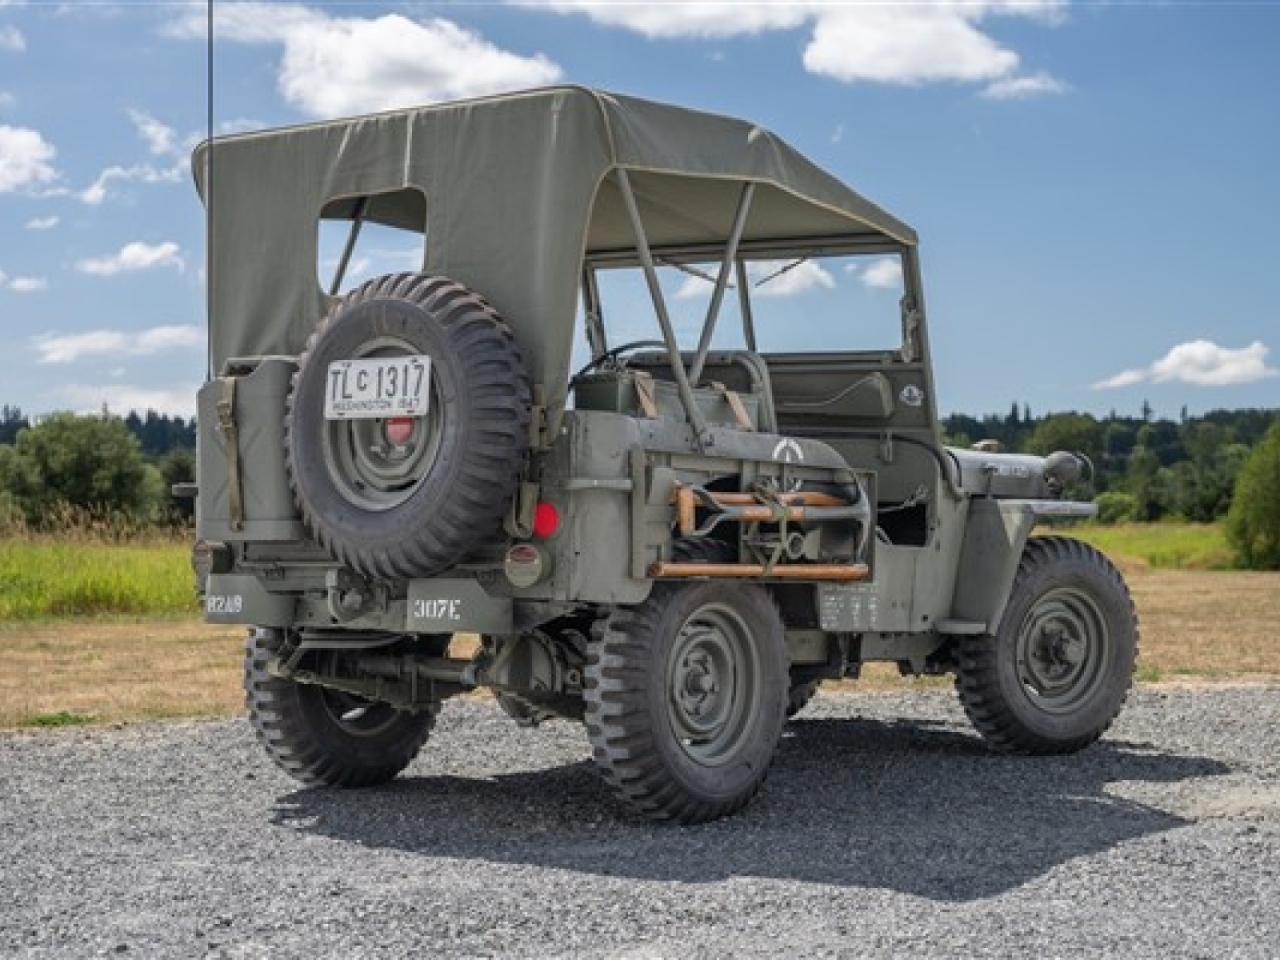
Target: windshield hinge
911,331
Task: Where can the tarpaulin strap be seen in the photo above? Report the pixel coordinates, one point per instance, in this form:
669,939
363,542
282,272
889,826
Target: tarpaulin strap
227,424
645,394
735,404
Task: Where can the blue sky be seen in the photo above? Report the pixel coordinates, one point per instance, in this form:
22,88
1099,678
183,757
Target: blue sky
1096,186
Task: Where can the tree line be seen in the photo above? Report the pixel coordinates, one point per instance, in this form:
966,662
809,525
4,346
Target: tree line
1144,468
66,467
158,433
1223,464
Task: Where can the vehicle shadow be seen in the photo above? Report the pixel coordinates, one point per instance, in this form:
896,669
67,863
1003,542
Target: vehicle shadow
908,806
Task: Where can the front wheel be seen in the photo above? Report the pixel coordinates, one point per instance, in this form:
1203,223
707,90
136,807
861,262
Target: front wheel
1059,667
325,737
686,696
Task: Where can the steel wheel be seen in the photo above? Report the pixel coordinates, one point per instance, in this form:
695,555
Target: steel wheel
1063,646
713,678
378,464
325,737
355,716
1059,666
685,699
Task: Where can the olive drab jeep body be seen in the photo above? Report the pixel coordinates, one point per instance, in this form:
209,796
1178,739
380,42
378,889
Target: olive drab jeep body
609,447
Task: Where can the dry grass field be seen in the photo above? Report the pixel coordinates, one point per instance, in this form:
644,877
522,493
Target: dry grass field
85,671
1209,627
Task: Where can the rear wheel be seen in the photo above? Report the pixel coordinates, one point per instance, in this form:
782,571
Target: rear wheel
1059,667
686,696
325,737
708,550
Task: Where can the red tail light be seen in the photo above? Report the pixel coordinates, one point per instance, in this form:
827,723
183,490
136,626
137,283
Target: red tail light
546,520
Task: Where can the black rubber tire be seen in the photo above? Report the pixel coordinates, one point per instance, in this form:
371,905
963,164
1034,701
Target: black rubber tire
799,695
1064,591
632,714
473,441
296,723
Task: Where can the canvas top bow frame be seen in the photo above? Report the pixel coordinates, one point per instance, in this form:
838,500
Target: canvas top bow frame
516,195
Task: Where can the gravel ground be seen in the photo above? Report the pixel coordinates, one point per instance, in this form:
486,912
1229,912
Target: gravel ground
885,829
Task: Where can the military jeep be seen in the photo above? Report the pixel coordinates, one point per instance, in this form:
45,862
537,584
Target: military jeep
629,444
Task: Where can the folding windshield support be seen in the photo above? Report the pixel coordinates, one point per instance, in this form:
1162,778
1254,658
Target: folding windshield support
913,345
744,307
722,281
596,340
696,419
357,221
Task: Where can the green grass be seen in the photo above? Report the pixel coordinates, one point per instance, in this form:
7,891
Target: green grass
49,577
1162,546
60,718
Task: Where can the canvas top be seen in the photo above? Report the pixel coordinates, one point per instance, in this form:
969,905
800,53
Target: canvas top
515,191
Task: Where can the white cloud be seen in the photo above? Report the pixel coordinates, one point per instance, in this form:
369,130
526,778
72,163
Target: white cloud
100,189
698,18
132,257
780,278
1023,88
161,139
884,274
12,40
694,288
42,223
123,397
70,347
1126,378
7,100
1200,363
342,65
898,43
25,159
769,278
27,284
905,44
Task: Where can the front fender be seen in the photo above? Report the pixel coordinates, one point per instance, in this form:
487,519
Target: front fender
995,533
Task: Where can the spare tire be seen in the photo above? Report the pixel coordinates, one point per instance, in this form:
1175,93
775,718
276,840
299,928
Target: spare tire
410,496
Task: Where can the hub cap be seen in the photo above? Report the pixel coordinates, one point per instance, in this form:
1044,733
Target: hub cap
356,716
713,685
1063,647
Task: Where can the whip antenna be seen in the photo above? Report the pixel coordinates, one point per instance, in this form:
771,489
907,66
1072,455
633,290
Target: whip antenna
208,189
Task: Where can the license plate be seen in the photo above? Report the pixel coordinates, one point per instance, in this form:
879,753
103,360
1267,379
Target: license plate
378,387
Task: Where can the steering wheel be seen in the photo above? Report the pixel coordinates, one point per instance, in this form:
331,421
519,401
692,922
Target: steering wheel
609,359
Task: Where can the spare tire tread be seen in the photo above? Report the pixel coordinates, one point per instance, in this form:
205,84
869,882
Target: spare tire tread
468,489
